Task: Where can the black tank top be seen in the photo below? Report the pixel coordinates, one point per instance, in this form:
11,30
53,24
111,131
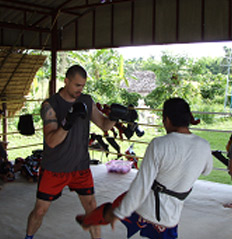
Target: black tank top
72,154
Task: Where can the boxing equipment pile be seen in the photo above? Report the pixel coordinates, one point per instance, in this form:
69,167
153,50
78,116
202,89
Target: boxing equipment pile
125,118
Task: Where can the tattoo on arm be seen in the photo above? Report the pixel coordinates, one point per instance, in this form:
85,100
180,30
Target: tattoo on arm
48,121
44,111
47,114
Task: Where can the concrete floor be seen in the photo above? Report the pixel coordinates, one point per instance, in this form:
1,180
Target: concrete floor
203,217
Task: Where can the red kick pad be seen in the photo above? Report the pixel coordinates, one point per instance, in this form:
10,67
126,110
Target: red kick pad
96,217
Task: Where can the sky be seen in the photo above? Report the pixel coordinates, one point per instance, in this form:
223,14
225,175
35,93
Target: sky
195,50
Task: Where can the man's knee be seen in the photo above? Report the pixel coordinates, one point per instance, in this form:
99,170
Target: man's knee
91,203
41,208
40,211
88,202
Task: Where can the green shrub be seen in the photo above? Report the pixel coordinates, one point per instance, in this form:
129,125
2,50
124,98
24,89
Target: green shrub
130,98
207,107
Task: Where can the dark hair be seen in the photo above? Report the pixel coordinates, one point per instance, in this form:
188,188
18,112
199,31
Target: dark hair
76,69
178,111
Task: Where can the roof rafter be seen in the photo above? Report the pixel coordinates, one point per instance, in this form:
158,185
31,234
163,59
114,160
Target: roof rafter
90,8
39,21
76,18
63,4
23,27
23,9
96,4
27,4
59,8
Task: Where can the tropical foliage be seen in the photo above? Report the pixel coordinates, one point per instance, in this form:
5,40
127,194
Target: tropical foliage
201,82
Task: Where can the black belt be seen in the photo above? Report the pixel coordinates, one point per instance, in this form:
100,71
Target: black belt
159,188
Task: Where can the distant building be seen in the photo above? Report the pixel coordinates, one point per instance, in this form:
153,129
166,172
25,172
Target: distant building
143,83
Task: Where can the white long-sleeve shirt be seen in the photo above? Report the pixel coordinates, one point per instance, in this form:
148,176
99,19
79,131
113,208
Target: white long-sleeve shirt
175,160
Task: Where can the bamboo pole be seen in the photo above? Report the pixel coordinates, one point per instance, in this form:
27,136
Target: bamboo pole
16,132
114,153
24,146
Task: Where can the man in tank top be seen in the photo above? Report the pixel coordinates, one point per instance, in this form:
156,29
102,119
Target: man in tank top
66,118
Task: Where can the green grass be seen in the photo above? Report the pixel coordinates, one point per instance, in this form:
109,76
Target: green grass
17,140
217,141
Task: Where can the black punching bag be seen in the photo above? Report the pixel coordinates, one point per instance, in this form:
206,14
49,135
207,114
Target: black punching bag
25,125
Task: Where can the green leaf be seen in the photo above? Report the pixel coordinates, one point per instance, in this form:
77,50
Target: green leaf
121,67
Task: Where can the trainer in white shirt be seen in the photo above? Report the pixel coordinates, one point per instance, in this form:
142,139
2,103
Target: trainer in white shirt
175,160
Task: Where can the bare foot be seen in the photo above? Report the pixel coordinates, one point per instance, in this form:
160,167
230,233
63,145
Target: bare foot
228,205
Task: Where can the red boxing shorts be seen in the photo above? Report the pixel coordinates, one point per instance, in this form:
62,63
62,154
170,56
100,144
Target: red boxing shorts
51,184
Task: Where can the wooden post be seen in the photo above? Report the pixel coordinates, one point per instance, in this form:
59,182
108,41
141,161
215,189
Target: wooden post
4,125
52,85
54,43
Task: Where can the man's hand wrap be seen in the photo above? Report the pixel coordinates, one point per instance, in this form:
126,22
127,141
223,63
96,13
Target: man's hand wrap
119,112
78,109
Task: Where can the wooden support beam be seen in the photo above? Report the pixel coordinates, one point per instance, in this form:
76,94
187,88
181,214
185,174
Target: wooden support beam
4,124
22,27
54,44
90,5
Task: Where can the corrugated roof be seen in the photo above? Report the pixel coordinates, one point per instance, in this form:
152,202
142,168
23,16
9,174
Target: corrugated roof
86,24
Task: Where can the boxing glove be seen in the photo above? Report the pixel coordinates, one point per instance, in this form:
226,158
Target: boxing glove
78,109
131,129
120,112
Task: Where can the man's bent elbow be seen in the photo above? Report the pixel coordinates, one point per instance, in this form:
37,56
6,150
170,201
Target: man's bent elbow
106,127
50,144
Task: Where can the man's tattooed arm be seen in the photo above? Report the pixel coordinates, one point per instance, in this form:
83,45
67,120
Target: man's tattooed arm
53,134
47,114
